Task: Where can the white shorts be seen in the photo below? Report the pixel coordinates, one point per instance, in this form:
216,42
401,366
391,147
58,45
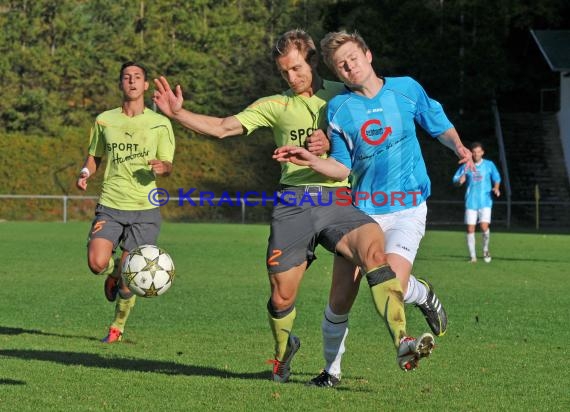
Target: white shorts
403,231
473,216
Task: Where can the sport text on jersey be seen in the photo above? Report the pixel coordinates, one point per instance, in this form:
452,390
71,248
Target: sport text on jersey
301,135
118,151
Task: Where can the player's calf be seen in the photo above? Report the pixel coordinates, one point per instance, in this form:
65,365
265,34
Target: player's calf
388,299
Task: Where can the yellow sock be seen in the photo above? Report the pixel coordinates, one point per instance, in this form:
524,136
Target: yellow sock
388,298
122,310
109,269
281,328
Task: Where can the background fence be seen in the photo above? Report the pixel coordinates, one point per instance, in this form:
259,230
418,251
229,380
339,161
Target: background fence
536,214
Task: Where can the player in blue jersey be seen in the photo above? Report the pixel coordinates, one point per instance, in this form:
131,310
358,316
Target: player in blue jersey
483,180
373,138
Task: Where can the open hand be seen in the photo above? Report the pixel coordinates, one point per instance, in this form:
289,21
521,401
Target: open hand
167,101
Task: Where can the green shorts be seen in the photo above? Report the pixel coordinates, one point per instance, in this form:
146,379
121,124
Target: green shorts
298,225
127,228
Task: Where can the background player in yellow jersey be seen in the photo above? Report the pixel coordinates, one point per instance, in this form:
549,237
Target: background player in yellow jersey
297,229
138,145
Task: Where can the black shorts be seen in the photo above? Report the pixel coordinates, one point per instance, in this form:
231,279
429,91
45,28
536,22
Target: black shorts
305,217
129,228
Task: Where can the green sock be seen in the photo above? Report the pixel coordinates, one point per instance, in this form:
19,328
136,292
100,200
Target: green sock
388,298
281,328
122,310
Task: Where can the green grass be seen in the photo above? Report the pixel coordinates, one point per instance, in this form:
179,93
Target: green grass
202,346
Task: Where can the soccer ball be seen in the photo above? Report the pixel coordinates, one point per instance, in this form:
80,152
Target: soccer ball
148,271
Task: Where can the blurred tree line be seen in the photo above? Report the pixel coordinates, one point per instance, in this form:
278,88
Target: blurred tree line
59,58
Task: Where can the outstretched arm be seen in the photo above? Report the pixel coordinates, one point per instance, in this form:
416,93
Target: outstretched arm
450,138
302,157
170,103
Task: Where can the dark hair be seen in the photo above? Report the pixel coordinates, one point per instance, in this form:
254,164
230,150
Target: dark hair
129,64
295,39
475,145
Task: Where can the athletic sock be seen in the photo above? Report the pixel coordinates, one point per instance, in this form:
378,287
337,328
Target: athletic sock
122,311
486,238
471,245
388,298
335,330
417,291
281,323
109,269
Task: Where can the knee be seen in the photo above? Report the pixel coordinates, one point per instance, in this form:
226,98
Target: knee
283,294
280,302
375,256
279,312
97,264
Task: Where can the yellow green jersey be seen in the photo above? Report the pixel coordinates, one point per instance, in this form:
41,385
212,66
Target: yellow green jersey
292,118
128,143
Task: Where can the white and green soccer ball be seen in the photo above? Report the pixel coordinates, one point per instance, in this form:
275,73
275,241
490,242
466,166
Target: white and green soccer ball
148,271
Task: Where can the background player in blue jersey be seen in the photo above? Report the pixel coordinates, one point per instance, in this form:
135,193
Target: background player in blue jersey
373,138
481,181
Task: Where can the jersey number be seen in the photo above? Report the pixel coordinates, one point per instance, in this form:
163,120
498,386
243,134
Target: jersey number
272,261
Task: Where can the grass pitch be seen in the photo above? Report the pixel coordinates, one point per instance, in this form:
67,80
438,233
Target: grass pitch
202,345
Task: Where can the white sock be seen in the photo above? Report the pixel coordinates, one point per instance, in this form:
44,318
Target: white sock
471,244
334,329
486,237
417,291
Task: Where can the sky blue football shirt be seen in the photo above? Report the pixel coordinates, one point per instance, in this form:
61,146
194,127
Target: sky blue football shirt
479,184
376,138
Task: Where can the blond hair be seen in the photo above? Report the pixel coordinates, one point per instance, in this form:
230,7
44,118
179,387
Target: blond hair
334,40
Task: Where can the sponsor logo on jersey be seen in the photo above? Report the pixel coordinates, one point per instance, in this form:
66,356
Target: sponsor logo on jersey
373,133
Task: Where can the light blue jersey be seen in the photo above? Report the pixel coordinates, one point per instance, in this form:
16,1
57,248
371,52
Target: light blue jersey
479,184
376,139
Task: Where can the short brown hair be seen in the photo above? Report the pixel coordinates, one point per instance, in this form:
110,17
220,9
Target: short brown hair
129,64
295,39
334,40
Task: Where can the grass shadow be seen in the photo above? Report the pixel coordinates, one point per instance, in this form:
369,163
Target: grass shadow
6,381
19,331
128,364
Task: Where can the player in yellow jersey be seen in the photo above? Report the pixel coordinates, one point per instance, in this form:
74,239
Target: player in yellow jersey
138,144
297,116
